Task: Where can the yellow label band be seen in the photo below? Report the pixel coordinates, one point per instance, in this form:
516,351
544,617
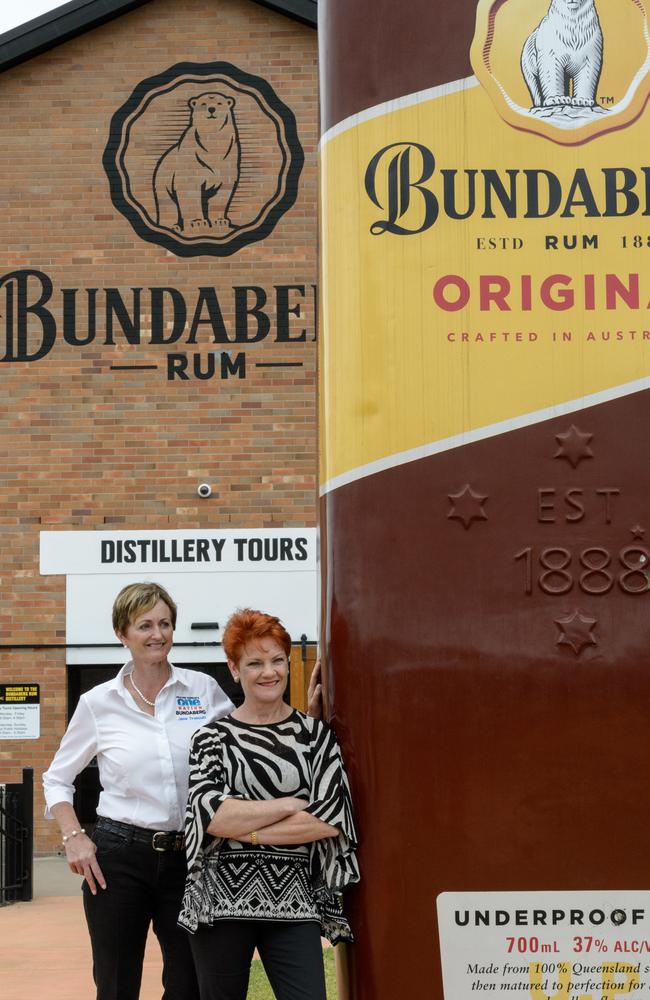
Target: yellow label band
475,277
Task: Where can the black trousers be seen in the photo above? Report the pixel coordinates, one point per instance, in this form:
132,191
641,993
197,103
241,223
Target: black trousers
291,953
144,887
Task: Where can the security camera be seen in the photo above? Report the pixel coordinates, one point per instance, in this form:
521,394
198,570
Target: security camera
204,490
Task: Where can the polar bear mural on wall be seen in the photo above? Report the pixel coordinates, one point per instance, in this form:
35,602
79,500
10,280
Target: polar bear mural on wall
562,59
194,181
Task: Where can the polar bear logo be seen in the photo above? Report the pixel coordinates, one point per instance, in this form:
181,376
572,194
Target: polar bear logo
562,59
195,179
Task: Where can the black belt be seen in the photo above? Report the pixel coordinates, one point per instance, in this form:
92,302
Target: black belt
160,840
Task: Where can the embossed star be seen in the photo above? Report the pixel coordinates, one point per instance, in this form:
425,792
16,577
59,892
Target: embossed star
574,446
467,506
576,631
637,531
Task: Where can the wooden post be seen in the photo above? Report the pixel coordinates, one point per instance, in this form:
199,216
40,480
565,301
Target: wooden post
301,665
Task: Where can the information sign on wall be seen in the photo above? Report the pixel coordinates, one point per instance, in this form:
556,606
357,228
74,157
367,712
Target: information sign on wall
186,551
20,711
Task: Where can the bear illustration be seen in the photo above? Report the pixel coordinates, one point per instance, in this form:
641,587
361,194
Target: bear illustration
195,179
562,59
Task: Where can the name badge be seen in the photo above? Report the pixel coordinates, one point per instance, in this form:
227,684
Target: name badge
190,707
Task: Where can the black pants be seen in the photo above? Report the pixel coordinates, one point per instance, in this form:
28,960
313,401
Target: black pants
290,951
143,887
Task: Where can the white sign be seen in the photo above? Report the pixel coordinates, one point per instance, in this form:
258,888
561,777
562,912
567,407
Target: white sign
20,712
203,597
283,550
545,945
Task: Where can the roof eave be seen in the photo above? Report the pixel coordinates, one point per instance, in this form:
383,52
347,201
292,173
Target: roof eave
78,16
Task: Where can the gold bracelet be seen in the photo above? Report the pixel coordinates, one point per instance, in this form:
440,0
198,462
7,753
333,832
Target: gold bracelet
254,839
73,833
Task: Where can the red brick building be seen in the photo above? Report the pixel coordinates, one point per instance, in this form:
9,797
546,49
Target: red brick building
157,334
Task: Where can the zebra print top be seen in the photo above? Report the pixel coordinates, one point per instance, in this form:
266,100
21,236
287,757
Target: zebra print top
231,880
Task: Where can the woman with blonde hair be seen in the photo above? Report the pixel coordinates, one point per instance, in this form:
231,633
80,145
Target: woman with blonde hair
139,727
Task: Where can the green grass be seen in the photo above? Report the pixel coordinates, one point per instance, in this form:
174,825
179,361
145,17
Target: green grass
259,988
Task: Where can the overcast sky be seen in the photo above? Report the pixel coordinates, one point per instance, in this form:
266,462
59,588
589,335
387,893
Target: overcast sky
13,14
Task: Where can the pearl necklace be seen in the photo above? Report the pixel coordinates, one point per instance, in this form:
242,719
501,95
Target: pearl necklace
151,704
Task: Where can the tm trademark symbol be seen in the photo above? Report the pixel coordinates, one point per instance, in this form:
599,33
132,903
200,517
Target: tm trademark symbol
606,100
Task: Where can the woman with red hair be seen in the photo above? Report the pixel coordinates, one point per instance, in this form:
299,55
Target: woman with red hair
269,833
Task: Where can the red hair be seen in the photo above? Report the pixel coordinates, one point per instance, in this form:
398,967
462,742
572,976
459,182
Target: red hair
246,625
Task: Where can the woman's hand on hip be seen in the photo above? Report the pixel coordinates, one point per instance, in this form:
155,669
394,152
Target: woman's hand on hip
81,855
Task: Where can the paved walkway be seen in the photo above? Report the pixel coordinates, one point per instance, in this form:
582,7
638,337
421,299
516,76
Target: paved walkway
44,948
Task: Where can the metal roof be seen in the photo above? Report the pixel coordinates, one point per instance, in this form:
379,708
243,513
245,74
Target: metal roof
74,18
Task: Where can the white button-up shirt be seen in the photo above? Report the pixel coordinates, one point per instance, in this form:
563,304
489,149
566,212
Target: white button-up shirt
143,759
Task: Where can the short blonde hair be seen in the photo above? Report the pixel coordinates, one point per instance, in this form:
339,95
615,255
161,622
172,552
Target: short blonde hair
136,599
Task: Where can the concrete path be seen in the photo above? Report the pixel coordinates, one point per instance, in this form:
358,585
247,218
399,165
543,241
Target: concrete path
44,947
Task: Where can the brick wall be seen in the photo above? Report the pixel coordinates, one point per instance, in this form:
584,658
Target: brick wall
84,447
